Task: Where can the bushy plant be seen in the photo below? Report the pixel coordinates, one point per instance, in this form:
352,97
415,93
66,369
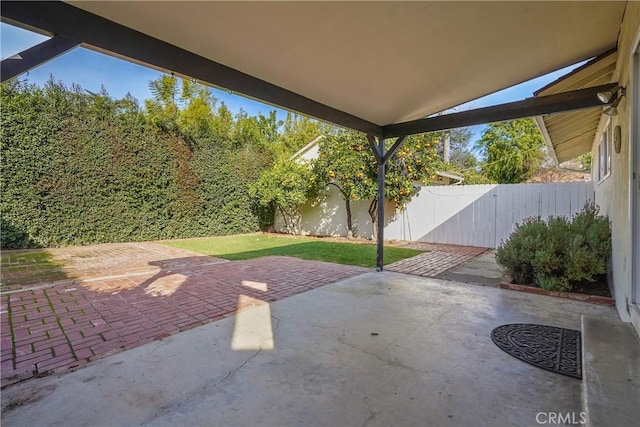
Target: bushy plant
590,246
13,238
515,254
285,187
558,254
548,262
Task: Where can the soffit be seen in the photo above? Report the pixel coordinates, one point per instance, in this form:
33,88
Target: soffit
571,134
385,62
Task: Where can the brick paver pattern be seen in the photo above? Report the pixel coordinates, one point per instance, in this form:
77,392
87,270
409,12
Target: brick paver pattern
69,323
94,262
439,259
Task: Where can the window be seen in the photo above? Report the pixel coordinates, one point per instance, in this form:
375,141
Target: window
604,154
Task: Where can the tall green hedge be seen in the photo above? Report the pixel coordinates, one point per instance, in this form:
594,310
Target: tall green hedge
82,168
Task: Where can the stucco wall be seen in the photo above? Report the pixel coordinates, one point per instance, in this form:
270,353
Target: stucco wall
612,194
328,217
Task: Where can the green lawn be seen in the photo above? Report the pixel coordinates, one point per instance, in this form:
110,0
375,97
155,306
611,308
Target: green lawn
259,245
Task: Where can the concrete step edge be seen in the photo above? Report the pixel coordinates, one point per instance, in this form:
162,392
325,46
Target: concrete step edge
610,373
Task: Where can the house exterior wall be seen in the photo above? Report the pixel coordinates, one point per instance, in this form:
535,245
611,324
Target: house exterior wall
613,193
310,153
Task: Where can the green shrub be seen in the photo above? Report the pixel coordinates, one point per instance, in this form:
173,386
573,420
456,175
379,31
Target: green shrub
549,260
12,237
590,246
558,254
515,254
551,283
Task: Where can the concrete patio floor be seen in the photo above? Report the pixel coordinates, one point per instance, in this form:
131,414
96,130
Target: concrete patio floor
376,349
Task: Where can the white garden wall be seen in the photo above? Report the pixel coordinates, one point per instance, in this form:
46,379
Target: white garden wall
471,215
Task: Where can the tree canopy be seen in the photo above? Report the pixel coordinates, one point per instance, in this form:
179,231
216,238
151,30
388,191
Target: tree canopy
512,151
284,187
345,161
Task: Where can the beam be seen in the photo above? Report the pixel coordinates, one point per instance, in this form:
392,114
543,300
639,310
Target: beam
530,107
547,139
35,56
379,155
394,148
55,17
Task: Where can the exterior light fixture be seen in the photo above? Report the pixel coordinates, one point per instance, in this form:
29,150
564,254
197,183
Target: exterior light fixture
612,110
606,95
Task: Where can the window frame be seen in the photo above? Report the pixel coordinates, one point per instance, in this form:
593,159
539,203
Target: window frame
604,153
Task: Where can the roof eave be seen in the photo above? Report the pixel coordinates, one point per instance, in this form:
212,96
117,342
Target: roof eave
547,139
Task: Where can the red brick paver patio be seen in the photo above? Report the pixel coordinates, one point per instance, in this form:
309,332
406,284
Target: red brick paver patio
81,263
439,259
60,325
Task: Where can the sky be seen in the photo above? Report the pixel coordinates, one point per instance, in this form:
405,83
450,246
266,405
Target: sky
91,70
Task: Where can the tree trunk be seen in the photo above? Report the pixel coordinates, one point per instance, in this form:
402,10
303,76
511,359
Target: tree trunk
447,147
372,213
347,203
349,220
288,221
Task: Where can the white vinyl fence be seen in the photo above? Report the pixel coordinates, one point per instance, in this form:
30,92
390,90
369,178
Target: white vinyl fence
483,215
471,215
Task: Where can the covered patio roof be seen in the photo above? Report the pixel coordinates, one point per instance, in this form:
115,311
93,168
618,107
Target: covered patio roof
362,65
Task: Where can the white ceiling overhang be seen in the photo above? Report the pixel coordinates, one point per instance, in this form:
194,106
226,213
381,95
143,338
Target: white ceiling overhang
571,134
376,67
384,62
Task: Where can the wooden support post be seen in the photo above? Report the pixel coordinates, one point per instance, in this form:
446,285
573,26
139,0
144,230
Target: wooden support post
380,219
378,148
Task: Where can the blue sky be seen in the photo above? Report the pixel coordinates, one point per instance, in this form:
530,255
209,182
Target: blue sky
91,69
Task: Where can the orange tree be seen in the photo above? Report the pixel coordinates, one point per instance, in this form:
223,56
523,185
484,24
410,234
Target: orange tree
284,187
346,162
